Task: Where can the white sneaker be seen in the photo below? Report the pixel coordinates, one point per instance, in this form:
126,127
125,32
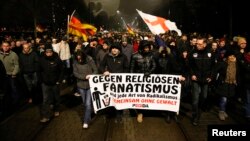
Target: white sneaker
77,94
140,117
85,126
44,120
56,114
225,115
221,115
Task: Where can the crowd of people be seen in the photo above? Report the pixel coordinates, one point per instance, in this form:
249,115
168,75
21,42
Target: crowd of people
208,65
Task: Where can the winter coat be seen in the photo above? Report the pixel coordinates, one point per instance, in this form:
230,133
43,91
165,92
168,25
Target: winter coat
143,63
81,70
10,61
167,65
201,64
221,87
114,64
51,69
29,62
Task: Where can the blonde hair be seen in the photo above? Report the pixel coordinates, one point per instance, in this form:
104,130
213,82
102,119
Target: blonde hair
241,40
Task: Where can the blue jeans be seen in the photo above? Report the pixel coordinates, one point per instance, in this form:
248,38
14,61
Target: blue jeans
199,95
15,95
51,95
248,103
86,98
223,103
31,82
66,64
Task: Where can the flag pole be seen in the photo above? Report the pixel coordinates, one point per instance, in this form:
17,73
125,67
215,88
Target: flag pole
72,14
68,26
69,19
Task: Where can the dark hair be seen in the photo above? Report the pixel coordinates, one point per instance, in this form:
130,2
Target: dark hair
83,56
230,52
143,44
107,42
115,45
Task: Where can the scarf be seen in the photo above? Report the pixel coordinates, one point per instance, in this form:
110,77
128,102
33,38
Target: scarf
231,73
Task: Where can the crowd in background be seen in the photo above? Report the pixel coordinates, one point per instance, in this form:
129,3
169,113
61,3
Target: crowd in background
209,66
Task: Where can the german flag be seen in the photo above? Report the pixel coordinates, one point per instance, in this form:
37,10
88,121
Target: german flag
79,29
130,30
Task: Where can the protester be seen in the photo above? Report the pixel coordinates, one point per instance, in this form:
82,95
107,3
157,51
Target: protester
11,64
115,62
29,69
51,69
101,53
245,63
166,64
228,72
127,48
64,54
82,68
143,62
201,63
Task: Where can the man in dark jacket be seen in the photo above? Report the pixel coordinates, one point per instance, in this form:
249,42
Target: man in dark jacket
51,75
201,63
115,62
143,62
28,61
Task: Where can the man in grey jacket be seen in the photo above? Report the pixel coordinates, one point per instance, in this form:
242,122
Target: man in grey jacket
11,64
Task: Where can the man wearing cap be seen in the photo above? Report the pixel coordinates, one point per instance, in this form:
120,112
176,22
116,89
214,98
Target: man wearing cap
115,62
51,68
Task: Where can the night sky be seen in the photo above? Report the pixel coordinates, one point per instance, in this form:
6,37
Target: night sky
212,16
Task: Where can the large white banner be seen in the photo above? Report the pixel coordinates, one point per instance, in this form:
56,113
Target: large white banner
135,91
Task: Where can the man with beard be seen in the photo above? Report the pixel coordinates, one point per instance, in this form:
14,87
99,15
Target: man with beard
51,68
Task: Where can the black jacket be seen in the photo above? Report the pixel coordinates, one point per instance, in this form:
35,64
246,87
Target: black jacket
28,62
201,63
114,64
51,69
143,63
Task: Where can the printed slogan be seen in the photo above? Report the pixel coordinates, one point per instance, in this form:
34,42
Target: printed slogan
135,91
